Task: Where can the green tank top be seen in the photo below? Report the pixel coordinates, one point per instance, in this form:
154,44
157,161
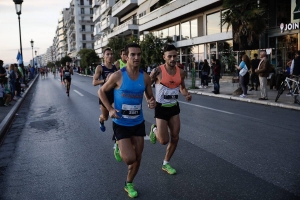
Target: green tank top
122,64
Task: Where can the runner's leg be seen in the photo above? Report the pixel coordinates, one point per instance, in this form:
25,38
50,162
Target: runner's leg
174,125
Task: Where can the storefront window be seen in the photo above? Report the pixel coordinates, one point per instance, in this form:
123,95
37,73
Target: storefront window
172,31
177,30
211,51
213,22
194,28
185,30
224,27
164,33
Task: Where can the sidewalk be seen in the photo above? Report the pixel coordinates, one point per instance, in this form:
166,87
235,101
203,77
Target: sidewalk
227,88
7,113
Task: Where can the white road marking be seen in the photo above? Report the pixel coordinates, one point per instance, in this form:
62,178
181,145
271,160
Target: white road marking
78,93
222,111
208,108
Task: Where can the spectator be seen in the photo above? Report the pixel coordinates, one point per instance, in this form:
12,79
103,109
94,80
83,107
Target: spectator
5,92
254,76
295,68
2,70
12,81
263,73
244,74
216,73
204,74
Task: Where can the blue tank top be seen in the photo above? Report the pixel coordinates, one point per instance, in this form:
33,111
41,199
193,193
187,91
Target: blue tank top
128,100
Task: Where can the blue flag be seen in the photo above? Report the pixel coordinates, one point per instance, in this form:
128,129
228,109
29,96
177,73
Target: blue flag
19,58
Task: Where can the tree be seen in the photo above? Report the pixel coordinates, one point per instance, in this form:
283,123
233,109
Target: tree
65,59
50,64
247,20
152,50
88,57
57,63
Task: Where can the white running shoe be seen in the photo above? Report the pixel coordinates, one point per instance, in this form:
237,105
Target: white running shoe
200,86
243,96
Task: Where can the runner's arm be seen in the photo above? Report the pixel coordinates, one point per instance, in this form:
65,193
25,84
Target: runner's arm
154,73
117,63
183,89
96,76
148,92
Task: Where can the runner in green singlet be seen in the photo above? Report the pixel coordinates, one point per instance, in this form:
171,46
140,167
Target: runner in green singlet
121,62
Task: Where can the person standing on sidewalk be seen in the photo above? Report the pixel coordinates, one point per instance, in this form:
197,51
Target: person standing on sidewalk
204,74
169,81
216,74
295,68
2,70
254,76
243,74
129,85
263,73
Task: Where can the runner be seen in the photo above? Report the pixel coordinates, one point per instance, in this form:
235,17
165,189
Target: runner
67,72
42,72
169,80
129,85
104,72
121,62
61,74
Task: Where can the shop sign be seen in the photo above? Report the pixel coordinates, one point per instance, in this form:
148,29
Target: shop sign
288,27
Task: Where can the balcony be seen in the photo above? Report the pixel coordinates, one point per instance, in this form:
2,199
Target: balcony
71,32
72,49
104,7
85,30
126,28
96,3
105,23
87,40
122,7
96,15
85,14
141,1
171,11
86,22
72,40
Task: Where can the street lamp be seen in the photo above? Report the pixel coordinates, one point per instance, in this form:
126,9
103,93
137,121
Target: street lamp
32,52
18,4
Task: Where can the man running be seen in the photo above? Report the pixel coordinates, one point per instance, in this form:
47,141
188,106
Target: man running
104,72
169,81
67,72
121,62
129,85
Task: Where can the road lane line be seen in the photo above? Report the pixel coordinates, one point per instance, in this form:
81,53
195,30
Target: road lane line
78,93
208,108
222,111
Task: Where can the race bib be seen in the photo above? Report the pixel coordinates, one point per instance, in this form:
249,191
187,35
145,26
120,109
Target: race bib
131,111
67,73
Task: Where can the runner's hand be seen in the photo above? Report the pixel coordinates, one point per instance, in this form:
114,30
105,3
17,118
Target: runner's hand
113,113
151,103
188,97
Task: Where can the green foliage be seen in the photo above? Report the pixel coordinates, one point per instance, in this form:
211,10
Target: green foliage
118,43
152,50
57,63
88,57
247,20
64,60
50,64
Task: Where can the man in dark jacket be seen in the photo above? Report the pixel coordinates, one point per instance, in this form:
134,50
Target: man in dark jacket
254,76
216,73
295,69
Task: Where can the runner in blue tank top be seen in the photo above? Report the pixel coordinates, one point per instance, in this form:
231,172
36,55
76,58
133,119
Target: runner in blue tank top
129,83
101,75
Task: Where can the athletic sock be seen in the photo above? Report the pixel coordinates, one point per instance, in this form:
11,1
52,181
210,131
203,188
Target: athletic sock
154,130
165,162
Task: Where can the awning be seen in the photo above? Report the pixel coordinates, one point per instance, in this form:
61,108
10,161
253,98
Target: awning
146,5
128,15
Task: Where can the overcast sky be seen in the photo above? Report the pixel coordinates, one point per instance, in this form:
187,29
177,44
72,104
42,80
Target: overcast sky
39,20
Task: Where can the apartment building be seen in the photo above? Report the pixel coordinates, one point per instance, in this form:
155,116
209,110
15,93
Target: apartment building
114,18
79,27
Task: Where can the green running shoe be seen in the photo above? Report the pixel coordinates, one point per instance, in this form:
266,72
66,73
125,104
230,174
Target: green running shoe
170,170
132,193
152,134
117,152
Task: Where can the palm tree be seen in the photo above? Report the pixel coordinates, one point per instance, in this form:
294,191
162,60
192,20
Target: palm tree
247,19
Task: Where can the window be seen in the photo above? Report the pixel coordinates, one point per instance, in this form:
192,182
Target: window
164,33
91,11
82,10
92,28
91,2
194,28
185,30
92,37
84,45
81,2
83,27
172,31
83,37
213,23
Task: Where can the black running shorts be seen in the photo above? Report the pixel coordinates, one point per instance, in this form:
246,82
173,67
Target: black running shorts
122,132
166,113
110,97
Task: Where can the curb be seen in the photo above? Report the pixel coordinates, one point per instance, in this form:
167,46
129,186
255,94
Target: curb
246,100
5,124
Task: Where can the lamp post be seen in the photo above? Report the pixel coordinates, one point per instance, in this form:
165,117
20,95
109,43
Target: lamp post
32,52
18,5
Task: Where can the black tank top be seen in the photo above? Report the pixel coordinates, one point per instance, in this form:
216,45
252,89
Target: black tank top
106,71
67,73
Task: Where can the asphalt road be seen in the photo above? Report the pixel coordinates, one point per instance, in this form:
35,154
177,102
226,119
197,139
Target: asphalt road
228,150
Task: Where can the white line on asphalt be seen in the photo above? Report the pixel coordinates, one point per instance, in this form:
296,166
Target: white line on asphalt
78,93
222,111
208,108
146,137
